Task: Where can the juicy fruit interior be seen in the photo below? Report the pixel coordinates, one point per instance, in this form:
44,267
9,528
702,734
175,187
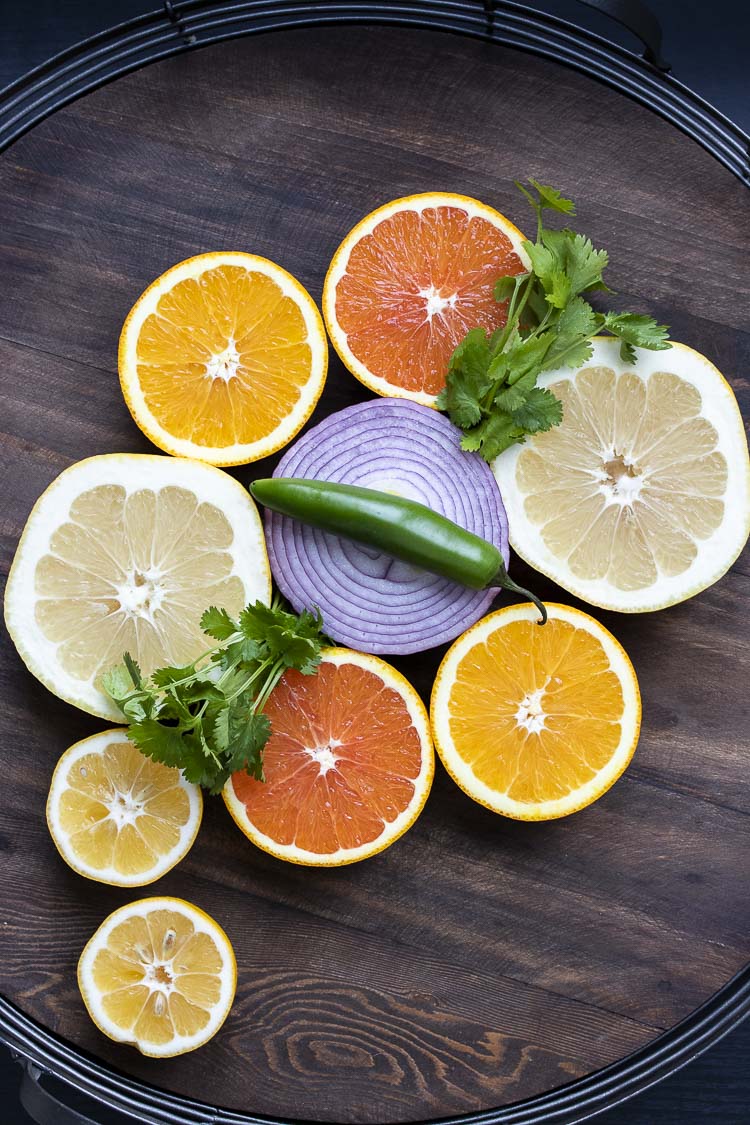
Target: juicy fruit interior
133,573
224,357
341,762
630,480
122,811
536,712
415,286
158,977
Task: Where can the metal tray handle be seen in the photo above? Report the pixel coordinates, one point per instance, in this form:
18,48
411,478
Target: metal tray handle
41,1105
639,19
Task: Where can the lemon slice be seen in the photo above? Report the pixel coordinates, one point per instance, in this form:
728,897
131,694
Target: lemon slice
117,817
223,358
536,722
159,974
124,552
641,497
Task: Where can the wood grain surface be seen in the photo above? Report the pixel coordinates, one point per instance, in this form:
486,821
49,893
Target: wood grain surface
479,961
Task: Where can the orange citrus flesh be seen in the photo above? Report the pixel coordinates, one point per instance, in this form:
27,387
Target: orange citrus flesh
228,321
413,288
344,767
557,670
536,721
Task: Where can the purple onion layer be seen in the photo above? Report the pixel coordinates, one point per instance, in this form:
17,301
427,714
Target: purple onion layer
370,601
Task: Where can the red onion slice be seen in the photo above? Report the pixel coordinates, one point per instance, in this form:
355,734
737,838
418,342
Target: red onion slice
370,601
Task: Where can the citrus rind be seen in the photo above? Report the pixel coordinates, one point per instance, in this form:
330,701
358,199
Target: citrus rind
462,773
110,875
237,453
393,830
340,260
133,472
202,923
716,552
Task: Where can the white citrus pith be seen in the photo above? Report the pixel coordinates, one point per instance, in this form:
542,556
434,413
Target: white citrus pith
409,281
159,974
124,552
223,358
641,497
348,766
535,721
117,817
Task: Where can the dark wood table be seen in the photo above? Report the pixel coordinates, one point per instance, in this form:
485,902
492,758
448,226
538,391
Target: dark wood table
479,961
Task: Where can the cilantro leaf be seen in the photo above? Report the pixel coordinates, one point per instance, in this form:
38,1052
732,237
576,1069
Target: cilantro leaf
157,740
543,262
491,392
248,734
636,331
494,434
541,411
206,718
218,624
584,265
551,199
118,683
505,287
469,366
166,677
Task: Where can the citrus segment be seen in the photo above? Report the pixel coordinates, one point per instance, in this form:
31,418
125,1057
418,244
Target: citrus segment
158,974
347,768
641,497
122,553
535,721
407,284
223,358
117,817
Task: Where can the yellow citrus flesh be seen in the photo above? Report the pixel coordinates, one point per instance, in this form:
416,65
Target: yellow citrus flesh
159,974
641,497
123,553
536,722
223,358
407,284
117,817
348,766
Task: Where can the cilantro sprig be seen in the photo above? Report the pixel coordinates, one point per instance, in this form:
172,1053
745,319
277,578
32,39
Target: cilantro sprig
491,392
207,717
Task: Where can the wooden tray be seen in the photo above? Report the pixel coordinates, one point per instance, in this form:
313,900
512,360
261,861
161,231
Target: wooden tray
478,962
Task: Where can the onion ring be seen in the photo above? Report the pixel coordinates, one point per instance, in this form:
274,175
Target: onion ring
370,601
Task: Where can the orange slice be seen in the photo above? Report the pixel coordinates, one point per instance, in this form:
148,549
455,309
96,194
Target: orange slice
158,974
536,721
117,817
407,284
223,358
347,768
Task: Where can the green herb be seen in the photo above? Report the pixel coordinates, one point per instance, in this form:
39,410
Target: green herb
207,717
491,392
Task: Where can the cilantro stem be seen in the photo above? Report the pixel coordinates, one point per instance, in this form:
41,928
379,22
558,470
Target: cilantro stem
205,719
276,673
249,681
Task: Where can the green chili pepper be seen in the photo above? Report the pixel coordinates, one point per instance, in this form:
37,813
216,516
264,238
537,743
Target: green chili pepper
398,527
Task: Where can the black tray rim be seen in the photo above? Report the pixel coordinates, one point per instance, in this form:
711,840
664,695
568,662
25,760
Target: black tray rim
175,29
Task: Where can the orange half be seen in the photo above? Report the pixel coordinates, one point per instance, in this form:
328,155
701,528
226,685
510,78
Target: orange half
407,284
536,721
347,768
223,358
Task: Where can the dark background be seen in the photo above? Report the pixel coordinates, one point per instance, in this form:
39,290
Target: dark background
708,45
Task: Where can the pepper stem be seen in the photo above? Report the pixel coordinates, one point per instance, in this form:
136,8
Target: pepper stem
502,578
